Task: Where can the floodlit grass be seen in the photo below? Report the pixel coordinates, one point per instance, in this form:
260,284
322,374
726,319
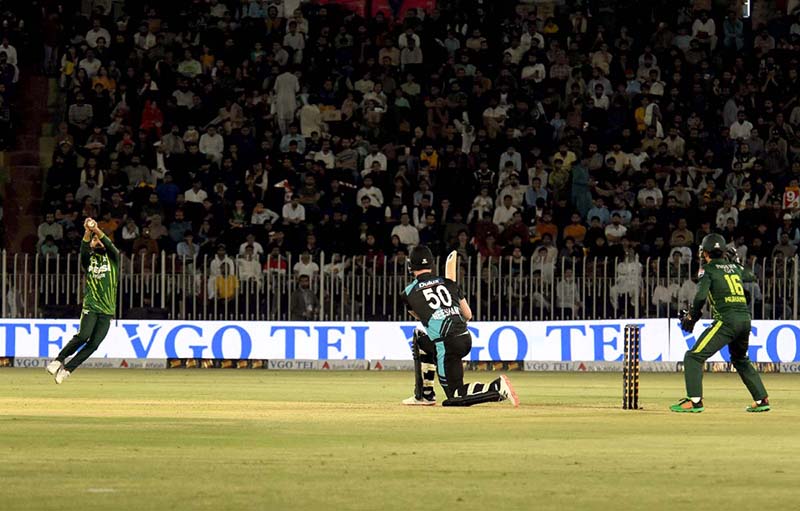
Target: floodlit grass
240,440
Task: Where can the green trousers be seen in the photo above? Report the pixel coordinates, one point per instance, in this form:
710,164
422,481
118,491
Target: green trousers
721,333
93,329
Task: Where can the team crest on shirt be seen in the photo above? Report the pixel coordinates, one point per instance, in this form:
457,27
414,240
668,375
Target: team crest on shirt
700,272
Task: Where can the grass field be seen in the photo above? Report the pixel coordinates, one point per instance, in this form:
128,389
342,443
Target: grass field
213,440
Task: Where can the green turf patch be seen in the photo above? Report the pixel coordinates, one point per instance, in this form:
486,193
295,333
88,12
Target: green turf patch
215,440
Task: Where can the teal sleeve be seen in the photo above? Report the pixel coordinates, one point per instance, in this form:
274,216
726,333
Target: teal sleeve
703,287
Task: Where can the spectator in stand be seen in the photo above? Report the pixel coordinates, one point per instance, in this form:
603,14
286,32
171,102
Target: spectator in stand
49,228
567,296
305,303
625,115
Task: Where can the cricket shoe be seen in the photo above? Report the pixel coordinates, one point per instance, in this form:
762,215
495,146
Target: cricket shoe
413,401
54,366
507,391
761,405
62,375
686,405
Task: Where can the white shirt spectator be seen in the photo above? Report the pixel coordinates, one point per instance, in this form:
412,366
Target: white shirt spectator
536,72
249,269
408,234
686,293
615,231
517,194
184,99
379,157
309,268
629,274
637,159
664,294
144,42
567,296
373,192
56,230
601,102
402,41
327,158
267,215
222,266
11,53
741,130
526,40
257,248
294,213
685,252
514,158
91,66
130,232
336,269
212,146
195,196
502,215
723,216
93,35
709,27
644,193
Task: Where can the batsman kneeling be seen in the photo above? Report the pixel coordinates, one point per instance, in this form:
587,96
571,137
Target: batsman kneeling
440,305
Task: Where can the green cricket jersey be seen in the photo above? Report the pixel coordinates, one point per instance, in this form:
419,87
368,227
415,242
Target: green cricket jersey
721,283
102,277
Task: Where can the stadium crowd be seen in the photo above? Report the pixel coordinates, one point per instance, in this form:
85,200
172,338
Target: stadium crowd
265,127
13,34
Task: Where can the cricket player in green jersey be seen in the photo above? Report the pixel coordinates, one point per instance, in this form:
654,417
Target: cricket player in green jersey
721,284
100,259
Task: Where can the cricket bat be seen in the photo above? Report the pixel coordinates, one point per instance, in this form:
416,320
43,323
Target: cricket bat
451,266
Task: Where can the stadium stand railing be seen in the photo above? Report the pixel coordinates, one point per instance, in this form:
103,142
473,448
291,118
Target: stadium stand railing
363,289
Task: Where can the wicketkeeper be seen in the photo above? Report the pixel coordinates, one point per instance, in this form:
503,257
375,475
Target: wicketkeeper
721,284
100,259
440,305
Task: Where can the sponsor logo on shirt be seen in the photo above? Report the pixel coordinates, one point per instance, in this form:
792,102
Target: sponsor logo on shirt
98,271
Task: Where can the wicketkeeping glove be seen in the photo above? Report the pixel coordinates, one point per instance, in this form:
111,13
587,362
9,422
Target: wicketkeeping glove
732,255
687,322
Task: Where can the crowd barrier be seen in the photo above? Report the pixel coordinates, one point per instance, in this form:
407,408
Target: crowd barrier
367,288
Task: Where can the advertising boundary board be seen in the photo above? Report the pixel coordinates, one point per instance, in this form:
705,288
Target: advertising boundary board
389,365
549,341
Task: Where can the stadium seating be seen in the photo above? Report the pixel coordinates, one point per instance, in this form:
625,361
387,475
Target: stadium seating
564,138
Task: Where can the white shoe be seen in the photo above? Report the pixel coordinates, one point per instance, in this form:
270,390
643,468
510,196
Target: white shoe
413,401
54,366
507,391
62,375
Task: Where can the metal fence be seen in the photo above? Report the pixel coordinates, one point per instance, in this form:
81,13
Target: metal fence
364,288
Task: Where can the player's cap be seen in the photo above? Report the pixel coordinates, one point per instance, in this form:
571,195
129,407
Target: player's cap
421,258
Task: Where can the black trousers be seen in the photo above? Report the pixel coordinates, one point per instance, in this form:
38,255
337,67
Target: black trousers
449,366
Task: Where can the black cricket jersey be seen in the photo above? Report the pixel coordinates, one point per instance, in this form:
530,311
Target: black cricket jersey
436,300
